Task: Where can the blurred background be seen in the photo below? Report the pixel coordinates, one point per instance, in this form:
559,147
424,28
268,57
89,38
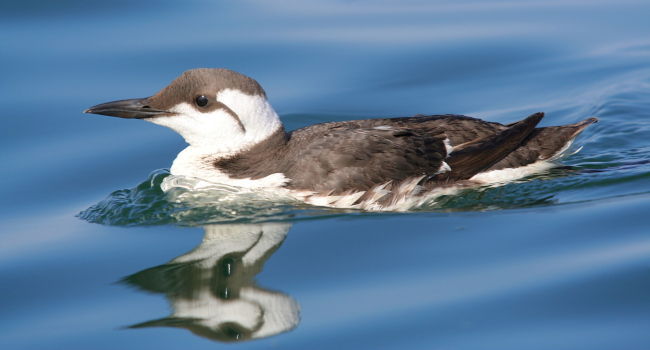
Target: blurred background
560,261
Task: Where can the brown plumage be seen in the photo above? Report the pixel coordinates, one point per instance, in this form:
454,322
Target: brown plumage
343,157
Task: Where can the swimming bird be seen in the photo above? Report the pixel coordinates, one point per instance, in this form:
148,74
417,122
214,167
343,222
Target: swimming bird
236,138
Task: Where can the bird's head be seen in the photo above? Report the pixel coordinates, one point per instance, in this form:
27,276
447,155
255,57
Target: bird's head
210,108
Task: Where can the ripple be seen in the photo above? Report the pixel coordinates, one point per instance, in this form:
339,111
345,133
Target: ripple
148,204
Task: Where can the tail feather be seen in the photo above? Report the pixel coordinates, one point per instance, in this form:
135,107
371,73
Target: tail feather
580,126
472,157
542,144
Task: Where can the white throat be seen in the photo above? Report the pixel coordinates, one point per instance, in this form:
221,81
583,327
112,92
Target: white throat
218,134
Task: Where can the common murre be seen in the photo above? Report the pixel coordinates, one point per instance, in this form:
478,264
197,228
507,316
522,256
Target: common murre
236,138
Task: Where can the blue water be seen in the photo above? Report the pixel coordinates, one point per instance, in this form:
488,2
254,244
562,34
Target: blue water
94,256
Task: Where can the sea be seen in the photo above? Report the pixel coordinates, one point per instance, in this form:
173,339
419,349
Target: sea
95,255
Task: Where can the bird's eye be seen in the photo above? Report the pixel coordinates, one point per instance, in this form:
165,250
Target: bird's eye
201,101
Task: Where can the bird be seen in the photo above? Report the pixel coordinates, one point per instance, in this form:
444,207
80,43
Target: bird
236,138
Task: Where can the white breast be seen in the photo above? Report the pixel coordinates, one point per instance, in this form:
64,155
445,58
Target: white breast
194,163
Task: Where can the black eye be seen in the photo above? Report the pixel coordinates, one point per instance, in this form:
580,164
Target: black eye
201,101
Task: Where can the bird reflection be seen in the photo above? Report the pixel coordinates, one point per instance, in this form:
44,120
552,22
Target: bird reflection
211,288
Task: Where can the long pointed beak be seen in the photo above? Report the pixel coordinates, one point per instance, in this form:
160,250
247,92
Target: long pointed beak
136,108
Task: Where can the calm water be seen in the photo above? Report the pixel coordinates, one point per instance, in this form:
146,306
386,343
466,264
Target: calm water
94,256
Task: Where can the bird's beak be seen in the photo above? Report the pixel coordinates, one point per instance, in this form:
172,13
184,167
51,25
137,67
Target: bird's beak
136,108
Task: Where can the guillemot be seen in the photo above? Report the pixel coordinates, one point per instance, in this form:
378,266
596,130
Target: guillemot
236,138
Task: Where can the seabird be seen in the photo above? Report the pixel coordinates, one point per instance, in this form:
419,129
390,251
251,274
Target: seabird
236,138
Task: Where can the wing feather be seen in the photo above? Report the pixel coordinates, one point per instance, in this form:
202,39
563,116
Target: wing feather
342,159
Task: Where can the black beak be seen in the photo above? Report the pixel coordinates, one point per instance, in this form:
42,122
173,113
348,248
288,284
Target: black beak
136,108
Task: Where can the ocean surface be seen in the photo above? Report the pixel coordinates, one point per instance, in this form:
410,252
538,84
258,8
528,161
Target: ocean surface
93,254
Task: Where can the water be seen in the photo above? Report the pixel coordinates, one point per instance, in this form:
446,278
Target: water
94,256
